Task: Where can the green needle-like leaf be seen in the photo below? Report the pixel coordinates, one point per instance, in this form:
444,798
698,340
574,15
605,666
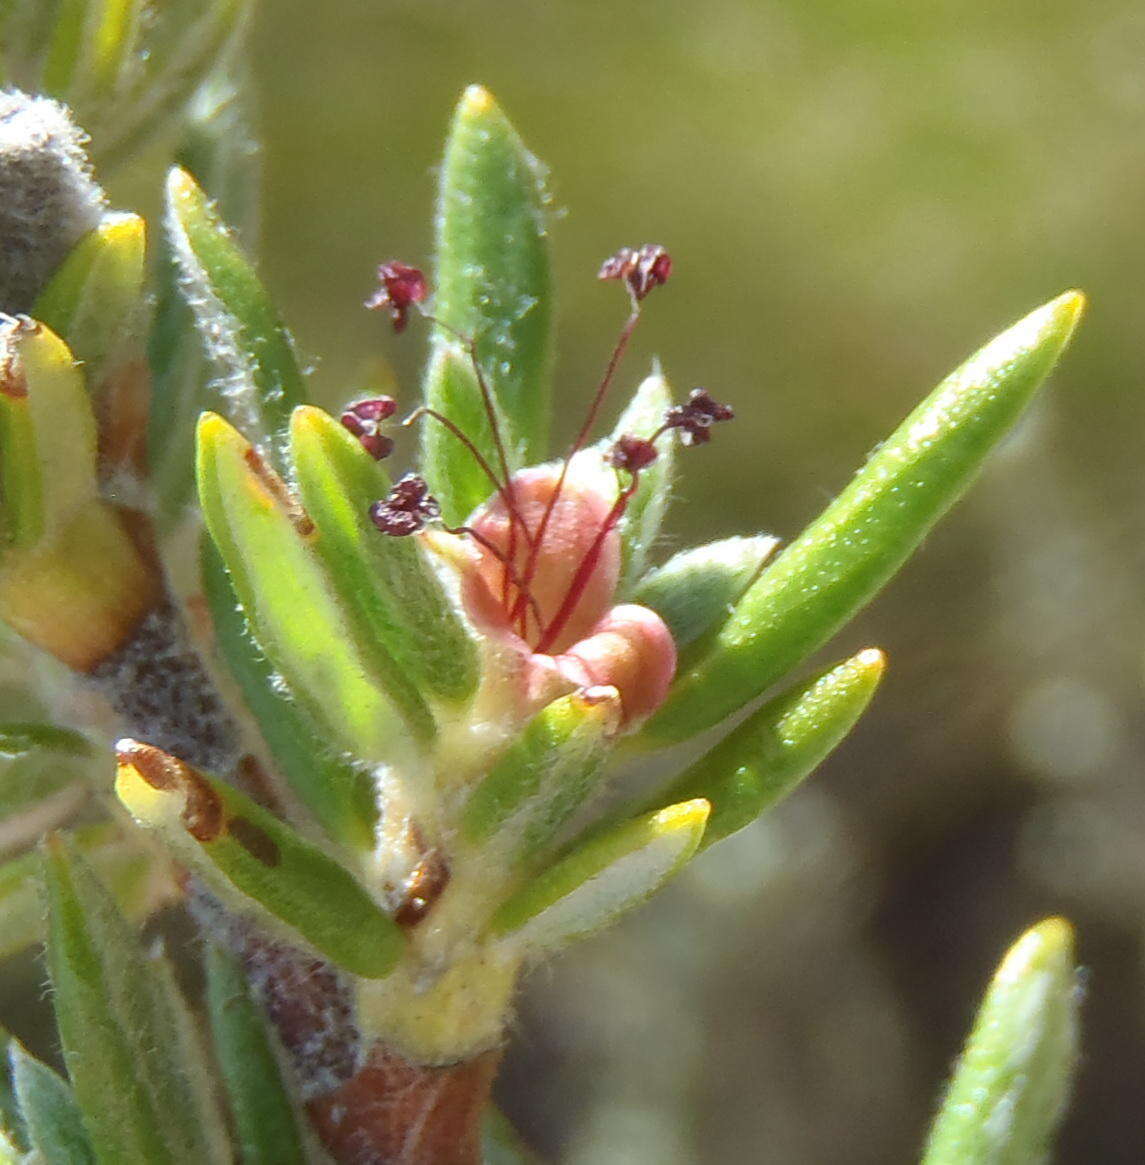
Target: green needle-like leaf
857,544
124,1034
240,328
493,287
51,1118
93,302
339,794
257,861
268,1126
218,149
696,590
65,48
348,682
1011,1085
23,738
91,50
610,873
114,44
387,586
47,435
773,750
544,775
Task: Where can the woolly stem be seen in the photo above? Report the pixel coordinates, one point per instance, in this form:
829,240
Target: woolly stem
386,1111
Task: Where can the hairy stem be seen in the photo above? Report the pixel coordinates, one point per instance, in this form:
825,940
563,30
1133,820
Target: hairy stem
380,1111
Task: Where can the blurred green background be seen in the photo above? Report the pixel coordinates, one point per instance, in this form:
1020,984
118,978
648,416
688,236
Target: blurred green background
856,196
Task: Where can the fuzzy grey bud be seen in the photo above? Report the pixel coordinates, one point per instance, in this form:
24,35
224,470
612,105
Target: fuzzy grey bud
48,197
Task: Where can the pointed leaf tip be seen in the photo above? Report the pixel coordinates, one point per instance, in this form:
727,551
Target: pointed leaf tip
1010,1087
1048,946
492,284
544,775
349,683
613,870
773,750
847,554
94,301
388,587
240,329
476,101
51,1118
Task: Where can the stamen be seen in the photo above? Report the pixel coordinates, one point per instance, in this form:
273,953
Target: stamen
409,506
364,418
632,453
401,287
641,270
695,418
504,490
508,492
406,508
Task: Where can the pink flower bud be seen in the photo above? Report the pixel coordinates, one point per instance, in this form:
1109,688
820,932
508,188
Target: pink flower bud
632,650
571,537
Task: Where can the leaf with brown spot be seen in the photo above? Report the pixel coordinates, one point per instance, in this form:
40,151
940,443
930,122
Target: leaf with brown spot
257,842
257,863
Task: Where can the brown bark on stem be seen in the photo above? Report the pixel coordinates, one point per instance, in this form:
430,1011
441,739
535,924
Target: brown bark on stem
394,1112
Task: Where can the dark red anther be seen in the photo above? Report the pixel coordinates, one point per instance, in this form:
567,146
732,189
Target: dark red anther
631,453
695,419
364,417
641,269
376,408
401,287
406,508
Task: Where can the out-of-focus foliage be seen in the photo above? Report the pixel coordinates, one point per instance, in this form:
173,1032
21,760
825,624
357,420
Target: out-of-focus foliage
1010,1086
849,192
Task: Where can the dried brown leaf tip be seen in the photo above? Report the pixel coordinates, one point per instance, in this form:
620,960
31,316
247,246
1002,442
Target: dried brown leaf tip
364,418
406,508
401,287
202,813
13,382
640,268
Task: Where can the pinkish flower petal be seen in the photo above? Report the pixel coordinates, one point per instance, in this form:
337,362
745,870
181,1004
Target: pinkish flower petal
631,648
571,534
